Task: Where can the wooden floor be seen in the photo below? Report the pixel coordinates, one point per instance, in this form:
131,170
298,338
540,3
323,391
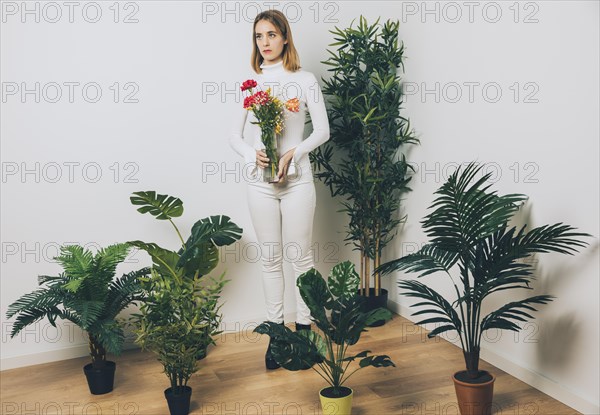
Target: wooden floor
233,380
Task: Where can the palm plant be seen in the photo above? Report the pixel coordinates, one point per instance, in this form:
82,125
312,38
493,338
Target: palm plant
367,134
327,352
181,313
469,228
86,294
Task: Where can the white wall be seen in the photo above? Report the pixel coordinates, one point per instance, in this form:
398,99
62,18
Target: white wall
184,61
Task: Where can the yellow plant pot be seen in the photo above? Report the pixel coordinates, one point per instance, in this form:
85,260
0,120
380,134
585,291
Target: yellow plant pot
336,406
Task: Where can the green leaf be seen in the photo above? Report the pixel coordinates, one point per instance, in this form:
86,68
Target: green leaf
376,361
316,295
377,315
343,281
293,350
501,318
201,254
163,207
369,114
164,260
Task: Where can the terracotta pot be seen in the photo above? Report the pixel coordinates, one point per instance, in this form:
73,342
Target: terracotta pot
474,398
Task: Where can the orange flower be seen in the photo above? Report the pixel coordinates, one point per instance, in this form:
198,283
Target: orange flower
293,105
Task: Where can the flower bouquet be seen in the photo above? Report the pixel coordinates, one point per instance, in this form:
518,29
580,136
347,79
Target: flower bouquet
269,112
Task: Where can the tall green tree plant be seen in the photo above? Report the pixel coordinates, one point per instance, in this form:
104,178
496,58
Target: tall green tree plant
181,313
367,133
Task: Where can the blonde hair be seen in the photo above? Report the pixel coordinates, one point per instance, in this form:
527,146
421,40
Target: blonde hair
291,61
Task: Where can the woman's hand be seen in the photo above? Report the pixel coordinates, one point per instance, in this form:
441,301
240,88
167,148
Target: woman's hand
261,158
284,164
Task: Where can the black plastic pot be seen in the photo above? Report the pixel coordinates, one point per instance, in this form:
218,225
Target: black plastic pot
179,404
100,381
375,301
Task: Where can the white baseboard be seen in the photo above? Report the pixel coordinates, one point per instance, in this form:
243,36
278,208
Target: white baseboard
81,350
548,386
44,357
71,352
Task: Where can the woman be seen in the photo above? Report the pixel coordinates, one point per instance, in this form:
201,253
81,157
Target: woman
282,212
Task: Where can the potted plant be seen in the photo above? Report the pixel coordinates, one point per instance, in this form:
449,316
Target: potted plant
367,134
87,294
469,228
181,313
327,351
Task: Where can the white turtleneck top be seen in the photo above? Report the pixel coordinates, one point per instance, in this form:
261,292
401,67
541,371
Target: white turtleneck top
285,85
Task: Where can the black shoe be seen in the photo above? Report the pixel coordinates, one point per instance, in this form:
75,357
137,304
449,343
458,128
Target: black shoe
303,327
270,362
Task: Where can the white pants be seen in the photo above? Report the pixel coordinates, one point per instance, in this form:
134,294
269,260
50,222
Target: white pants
282,216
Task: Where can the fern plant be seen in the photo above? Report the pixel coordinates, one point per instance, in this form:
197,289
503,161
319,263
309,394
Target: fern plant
87,294
469,228
181,314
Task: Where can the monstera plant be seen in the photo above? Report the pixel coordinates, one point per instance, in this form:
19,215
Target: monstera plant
87,294
181,312
469,230
327,352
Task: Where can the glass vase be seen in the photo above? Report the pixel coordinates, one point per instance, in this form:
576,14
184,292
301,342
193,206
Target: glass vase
269,139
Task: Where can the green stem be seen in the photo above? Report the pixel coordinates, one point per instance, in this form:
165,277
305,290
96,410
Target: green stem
468,332
339,364
331,357
477,322
178,233
462,314
324,368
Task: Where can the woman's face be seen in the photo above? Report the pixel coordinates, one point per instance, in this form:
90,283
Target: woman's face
269,42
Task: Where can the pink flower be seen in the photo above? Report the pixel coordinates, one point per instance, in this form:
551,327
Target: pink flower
261,98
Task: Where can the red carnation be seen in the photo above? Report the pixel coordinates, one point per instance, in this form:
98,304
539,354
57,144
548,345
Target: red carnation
249,84
248,102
